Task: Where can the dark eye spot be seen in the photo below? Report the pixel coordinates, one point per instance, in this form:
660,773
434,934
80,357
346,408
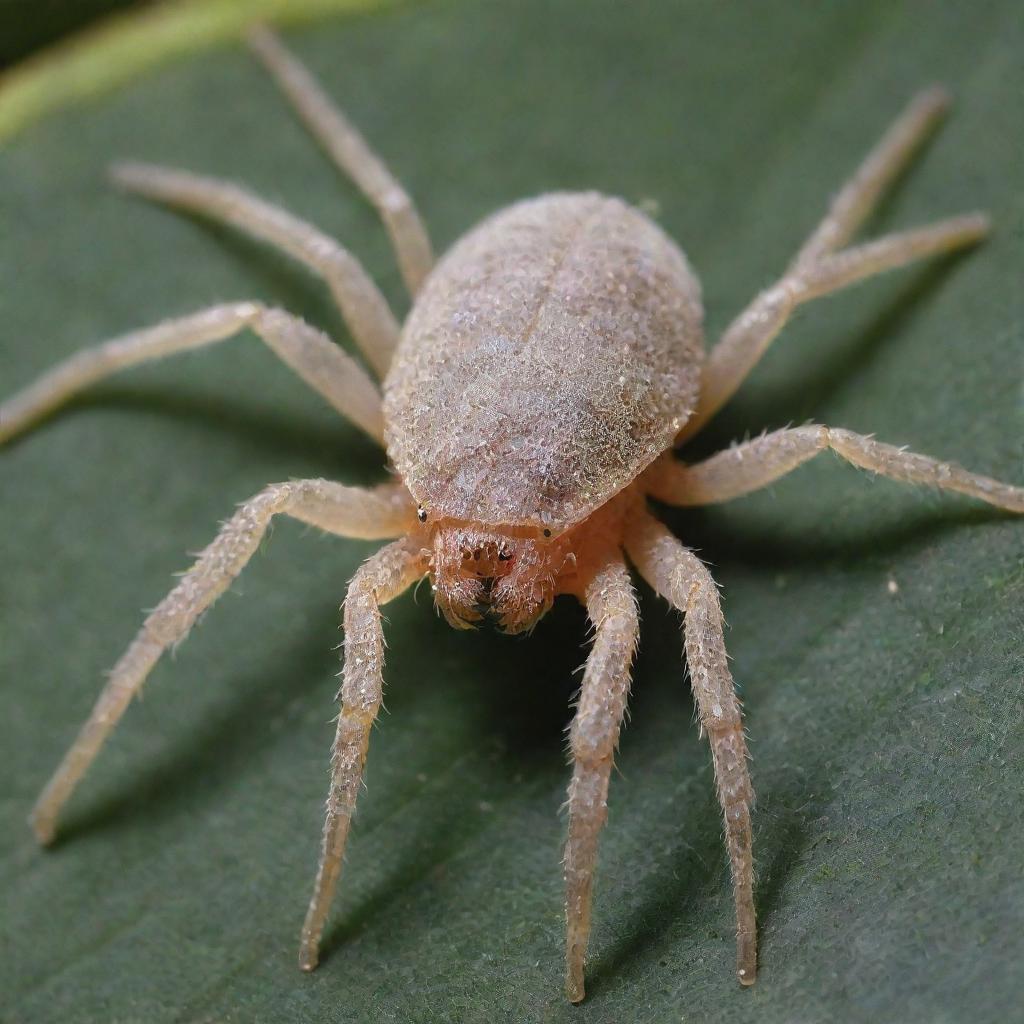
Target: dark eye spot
421,514
547,533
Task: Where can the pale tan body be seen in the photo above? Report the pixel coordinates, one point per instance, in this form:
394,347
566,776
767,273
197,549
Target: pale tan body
545,369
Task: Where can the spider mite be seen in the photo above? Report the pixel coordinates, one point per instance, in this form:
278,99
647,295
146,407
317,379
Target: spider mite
530,406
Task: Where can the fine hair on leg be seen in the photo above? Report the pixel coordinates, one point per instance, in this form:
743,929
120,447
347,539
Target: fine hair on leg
363,307
611,607
755,464
348,150
684,581
325,367
822,267
346,511
383,577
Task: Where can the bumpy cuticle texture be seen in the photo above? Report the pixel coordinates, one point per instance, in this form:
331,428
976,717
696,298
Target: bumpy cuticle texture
552,354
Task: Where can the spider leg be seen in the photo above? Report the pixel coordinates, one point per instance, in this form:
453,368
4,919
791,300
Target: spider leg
611,606
822,267
876,174
755,464
324,366
384,576
679,576
365,310
348,150
348,511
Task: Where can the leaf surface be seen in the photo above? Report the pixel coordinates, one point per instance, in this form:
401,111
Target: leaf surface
875,630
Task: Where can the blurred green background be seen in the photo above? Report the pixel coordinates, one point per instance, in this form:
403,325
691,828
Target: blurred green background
885,727
28,25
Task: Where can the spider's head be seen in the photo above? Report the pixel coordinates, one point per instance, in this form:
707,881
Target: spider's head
505,576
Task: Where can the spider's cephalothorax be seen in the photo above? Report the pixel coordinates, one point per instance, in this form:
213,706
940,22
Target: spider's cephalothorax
546,369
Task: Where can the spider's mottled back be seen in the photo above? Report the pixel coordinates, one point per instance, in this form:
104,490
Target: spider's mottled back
552,354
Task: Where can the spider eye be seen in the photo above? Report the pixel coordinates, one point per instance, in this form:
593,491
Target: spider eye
547,533
421,514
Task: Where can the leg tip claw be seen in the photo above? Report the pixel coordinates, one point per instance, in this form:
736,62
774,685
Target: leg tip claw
574,988
746,963
44,829
309,957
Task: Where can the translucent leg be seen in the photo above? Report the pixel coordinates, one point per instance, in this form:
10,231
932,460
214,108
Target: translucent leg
325,367
348,511
680,577
389,572
349,151
819,268
364,309
755,464
611,606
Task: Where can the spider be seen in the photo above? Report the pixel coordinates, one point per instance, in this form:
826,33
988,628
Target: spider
531,405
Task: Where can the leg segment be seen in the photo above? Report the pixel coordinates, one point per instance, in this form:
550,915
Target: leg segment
324,366
831,273
365,310
349,151
348,511
679,576
392,570
755,464
611,605
882,166
820,268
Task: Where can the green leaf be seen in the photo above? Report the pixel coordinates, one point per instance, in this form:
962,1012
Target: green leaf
875,630
119,48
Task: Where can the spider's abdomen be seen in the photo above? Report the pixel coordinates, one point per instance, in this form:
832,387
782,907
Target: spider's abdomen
552,354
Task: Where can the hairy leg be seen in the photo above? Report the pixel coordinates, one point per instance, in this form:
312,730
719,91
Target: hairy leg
348,150
364,309
324,366
383,577
678,575
611,606
347,511
755,464
821,268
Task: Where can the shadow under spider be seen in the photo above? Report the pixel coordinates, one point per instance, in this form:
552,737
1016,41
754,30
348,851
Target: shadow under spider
517,691
834,365
675,895
348,454
852,550
223,744
218,745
